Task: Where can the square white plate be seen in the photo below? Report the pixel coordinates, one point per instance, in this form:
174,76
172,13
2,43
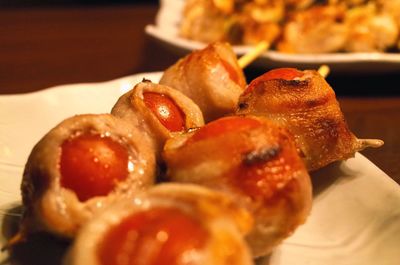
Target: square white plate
355,218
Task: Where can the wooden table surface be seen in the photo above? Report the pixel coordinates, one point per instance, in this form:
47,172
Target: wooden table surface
47,46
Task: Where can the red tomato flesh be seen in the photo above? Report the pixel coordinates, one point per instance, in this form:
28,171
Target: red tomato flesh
91,165
279,73
159,236
166,111
224,125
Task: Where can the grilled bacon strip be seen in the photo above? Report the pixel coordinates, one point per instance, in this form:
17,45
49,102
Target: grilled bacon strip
211,77
254,161
79,167
305,104
172,224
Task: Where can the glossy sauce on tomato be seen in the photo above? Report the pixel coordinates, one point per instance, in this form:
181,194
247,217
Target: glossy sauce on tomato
158,236
279,73
91,165
166,111
265,178
224,125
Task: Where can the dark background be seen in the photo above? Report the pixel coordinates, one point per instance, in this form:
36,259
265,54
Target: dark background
32,3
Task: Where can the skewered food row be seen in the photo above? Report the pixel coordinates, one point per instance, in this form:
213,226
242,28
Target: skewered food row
255,183
300,26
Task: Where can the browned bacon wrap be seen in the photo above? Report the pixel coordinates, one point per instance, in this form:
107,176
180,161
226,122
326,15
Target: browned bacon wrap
306,105
211,77
254,161
53,206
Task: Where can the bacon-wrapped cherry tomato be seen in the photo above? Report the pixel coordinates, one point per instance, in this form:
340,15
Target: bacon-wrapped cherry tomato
255,161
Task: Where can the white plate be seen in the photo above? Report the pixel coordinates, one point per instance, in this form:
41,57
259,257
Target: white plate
166,30
356,211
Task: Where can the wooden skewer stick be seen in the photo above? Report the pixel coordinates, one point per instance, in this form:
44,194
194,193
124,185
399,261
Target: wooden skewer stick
364,143
263,46
19,237
249,57
324,70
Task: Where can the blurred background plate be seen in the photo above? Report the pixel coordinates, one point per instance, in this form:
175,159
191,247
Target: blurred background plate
166,30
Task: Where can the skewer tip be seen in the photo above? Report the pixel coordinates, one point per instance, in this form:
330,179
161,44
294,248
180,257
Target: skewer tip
324,70
364,143
16,239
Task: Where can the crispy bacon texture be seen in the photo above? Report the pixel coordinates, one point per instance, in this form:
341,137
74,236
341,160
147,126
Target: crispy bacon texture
257,163
211,77
172,224
306,105
79,167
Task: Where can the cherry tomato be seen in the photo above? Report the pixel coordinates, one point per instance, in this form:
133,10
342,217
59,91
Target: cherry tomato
279,73
159,236
92,165
233,75
167,112
224,125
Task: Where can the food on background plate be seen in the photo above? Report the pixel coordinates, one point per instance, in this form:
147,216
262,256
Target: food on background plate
315,30
254,161
305,26
158,111
370,29
211,77
168,224
80,166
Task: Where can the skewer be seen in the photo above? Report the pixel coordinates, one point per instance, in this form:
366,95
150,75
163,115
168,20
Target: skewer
324,70
249,57
263,46
19,237
364,143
